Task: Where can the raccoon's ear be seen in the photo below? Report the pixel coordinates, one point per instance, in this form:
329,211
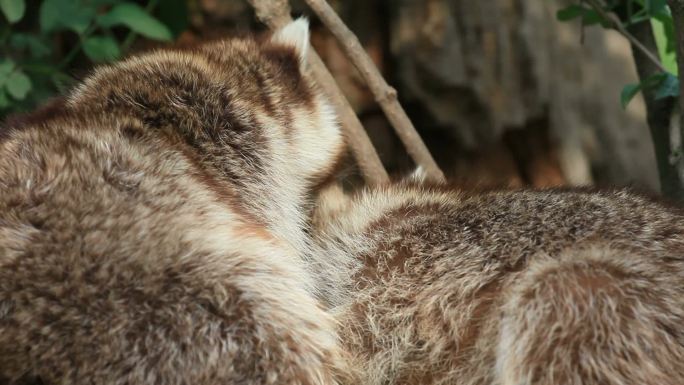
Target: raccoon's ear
295,35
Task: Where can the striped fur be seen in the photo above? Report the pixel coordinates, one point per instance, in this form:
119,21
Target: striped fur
437,286
152,223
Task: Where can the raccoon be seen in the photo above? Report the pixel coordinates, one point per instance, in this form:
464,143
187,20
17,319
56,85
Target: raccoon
432,285
152,222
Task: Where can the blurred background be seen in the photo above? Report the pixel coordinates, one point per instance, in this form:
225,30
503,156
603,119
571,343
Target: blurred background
502,92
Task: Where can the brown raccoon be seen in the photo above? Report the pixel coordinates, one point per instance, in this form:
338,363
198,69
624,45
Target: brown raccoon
152,223
438,286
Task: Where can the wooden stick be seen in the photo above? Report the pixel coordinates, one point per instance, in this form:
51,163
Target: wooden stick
385,95
275,14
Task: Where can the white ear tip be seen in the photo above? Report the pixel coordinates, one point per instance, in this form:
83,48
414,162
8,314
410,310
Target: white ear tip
295,34
300,24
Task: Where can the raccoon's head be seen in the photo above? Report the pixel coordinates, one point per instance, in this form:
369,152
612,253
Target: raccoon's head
247,105
245,108
292,108
316,139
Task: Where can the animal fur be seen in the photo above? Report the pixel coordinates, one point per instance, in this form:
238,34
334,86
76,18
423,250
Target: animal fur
153,231
436,286
152,223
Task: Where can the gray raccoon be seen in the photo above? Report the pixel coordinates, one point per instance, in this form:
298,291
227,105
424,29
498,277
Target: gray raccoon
436,286
152,223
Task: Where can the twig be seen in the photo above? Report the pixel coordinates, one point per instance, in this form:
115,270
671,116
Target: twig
77,47
275,14
357,138
658,111
385,95
617,25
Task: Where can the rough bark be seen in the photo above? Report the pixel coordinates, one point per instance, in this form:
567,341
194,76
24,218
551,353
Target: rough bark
481,69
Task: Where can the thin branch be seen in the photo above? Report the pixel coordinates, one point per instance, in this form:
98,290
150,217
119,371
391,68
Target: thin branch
659,112
385,95
276,14
357,138
618,26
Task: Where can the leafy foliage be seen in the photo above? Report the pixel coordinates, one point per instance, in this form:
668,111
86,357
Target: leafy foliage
664,84
137,19
43,48
639,11
13,9
586,14
101,48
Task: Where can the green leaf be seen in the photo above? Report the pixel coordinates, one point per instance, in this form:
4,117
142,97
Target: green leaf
101,49
656,7
39,67
570,12
137,19
653,81
592,17
58,15
13,9
174,14
62,81
6,68
664,85
4,100
37,47
6,65
663,31
663,26
652,7
588,15
18,85
628,93
668,87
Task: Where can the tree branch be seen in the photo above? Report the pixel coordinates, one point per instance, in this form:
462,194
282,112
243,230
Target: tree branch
385,95
276,14
618,26
658,111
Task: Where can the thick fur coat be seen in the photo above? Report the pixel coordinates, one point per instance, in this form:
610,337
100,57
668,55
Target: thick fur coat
438,286
152,223
154,230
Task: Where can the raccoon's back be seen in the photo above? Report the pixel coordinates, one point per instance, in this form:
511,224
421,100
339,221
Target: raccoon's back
123,261
86,186
437,271
97,250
